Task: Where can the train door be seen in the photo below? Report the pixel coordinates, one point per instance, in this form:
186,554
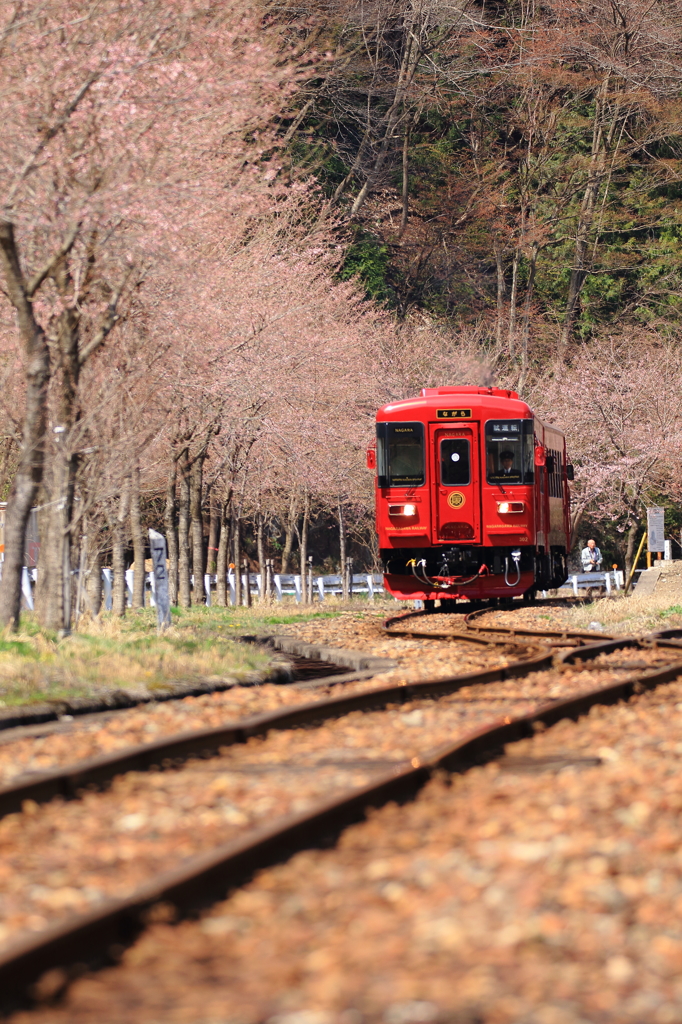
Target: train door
457,490
541,495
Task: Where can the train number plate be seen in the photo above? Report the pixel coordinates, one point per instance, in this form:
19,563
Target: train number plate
453,414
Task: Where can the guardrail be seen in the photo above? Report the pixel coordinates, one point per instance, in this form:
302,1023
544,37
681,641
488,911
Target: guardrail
289,585
283,585
612,580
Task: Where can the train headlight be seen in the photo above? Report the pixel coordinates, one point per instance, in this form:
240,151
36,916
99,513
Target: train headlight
510,506
402,510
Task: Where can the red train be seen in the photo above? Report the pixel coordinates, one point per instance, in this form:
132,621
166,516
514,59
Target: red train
472,497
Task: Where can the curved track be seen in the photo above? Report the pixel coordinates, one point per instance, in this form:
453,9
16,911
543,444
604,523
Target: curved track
99,936
171,751
474,633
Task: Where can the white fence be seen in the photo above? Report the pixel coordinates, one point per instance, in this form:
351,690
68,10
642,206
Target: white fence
289,585
283,585
612,580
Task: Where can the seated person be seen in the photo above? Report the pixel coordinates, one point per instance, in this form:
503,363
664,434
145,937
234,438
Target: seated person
506,470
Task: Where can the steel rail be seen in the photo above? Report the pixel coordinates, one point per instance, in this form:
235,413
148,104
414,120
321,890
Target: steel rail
100,936
472,631
171,750
665,638
297,655
466,636
563,634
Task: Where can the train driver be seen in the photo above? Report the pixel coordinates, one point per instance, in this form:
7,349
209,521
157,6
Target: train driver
506,471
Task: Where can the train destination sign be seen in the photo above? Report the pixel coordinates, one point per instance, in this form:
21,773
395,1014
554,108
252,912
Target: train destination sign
453,414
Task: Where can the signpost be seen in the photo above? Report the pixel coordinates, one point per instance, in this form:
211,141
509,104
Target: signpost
157,546
655,530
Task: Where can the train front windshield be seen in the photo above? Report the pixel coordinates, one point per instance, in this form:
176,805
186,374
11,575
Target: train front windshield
509,451
400,454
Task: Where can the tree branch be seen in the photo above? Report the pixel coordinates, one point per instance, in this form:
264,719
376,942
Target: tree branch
14,278
107,326
66,246
51,132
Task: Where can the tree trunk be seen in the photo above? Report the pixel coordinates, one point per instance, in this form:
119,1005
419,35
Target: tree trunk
362,149
512,301
118,597
138,539
237,556
50,603
93,586
29,472
576,521
196,481
501,292
221,561
169,518
80,588
630,548
183,533
260,542
579,269
412,50
597,174
304,549
67,578
55,612
289,534
406,182
213,533
525,333
342,551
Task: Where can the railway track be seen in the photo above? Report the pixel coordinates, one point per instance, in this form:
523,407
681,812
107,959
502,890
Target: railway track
469,630
433,724
295,663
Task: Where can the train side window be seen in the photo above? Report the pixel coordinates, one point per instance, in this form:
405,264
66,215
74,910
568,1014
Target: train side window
554,474
400,454
455,462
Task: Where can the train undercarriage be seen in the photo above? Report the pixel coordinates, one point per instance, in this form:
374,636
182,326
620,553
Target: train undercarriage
475,573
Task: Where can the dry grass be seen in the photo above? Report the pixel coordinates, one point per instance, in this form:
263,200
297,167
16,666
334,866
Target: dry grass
110,653
636,614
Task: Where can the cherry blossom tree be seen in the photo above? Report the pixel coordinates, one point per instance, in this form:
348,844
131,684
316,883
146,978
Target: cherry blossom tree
619,405
123,124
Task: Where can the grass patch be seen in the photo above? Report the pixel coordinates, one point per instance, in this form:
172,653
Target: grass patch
120,654
635,614
278,620
108,653
675,609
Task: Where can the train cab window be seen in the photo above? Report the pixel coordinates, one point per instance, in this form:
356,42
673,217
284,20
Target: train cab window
400,454
455,462
509,451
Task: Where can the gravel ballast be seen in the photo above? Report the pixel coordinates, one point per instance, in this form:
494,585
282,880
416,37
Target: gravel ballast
67,857
83,738
515,894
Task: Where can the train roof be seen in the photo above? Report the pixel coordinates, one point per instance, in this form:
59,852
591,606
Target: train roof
488,401
493,399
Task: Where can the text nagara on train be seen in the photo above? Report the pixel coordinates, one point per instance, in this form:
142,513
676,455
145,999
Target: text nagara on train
472,496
